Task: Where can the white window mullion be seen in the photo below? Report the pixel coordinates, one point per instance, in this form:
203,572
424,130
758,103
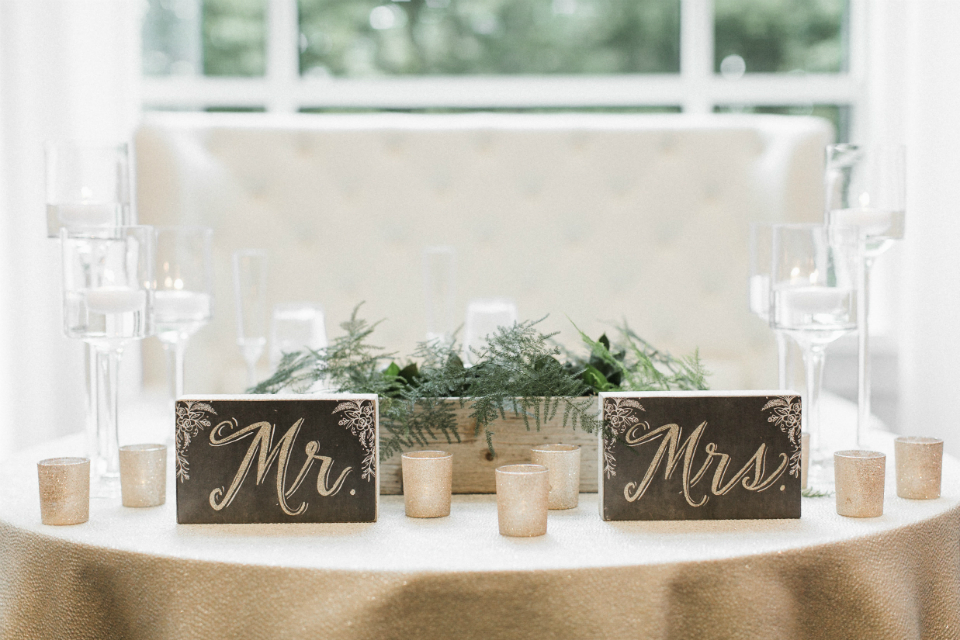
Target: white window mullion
283,55
696,54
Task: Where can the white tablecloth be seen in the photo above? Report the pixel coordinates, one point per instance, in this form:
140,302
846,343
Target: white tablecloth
134,573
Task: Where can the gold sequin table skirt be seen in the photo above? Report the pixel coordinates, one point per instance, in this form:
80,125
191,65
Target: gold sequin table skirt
134,573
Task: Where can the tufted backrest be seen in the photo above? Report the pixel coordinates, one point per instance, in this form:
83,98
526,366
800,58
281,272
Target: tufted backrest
595,218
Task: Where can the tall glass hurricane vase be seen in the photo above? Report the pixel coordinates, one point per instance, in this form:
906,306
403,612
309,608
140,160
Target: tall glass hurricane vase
814,281
183,298
439,291
761,249
866,187
250,291
107,303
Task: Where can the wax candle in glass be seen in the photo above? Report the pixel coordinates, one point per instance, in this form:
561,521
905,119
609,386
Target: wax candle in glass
183,298
865,188
107,303
814,284
87,185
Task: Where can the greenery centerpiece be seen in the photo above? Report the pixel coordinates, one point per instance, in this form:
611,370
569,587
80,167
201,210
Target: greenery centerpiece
521,371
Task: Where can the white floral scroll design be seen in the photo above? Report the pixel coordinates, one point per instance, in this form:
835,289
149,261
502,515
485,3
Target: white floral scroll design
786,414
619,415
191,419
359,416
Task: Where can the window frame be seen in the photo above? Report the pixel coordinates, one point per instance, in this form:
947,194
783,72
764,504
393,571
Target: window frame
695,90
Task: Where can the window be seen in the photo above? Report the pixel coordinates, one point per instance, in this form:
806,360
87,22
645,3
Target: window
698,56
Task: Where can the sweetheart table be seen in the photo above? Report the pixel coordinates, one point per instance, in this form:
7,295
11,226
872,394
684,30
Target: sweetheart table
135,573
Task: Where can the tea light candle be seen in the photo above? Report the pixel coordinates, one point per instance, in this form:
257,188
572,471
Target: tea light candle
859,477
108,300
143,475
64,490
427,483
919,466
563,473
522,499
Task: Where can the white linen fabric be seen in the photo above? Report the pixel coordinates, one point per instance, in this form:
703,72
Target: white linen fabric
595,218
134,573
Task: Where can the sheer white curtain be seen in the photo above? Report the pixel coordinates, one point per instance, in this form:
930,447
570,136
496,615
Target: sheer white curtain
914,63
68,69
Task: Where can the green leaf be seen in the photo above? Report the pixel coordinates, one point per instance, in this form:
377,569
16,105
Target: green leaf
392,371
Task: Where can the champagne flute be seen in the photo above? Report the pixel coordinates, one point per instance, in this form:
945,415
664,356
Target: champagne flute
814,279
107,303
250,289
761,260
183,297
439,290
865,187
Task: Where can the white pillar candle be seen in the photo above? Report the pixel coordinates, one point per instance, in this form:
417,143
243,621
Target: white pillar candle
110,300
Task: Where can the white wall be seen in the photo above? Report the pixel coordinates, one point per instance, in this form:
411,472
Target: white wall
68,69
914,96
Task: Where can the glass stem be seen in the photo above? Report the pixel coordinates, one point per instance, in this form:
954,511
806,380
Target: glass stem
108,444
175,352
863,356
813,357
90,398
782,364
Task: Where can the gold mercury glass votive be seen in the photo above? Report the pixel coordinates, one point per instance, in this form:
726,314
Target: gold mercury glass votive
143,475
859,477
522,500
64,490
919,465
563,473
427,483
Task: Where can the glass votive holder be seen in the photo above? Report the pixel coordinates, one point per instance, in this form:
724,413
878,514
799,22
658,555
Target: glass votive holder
859,478
143,475
563,473
919,463
64,490
804,458
427,483
522,500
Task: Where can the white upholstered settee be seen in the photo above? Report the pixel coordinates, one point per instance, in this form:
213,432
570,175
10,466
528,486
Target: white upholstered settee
595,218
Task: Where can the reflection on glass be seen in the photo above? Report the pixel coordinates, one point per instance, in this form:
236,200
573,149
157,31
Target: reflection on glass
372,37
780,36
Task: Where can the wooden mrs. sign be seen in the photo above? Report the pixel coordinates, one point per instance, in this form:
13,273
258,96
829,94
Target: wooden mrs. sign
247,459
699,455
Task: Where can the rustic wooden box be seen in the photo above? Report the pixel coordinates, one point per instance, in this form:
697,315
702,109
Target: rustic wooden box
473,466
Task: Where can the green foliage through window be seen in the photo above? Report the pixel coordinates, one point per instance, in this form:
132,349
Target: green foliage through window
455,37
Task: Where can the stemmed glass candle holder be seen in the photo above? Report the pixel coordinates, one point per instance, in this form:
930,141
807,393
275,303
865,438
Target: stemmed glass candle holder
439,291
183,300
484,317
813,298
107,302
865,188
761,250
250,290
87,184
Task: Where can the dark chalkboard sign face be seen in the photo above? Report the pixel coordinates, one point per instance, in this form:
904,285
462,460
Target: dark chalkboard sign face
246,459
700,456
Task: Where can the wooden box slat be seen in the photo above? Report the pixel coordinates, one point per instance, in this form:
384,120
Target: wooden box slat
473,466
